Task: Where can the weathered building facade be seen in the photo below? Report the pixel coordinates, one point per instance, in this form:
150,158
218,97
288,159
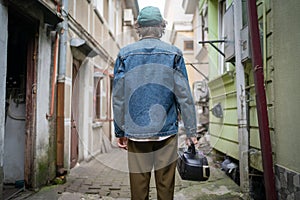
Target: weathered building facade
56,70
234,123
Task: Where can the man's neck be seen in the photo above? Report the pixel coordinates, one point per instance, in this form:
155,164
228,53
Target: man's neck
150,36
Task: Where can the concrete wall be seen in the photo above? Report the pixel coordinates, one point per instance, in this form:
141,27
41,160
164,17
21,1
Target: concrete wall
45,134
3,66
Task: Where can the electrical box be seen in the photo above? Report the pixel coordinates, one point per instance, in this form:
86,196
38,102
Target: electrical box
229,49
245,42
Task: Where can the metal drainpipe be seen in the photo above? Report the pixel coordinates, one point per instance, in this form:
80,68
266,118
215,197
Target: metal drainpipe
63,40
60,89
53,84
261,103
241,102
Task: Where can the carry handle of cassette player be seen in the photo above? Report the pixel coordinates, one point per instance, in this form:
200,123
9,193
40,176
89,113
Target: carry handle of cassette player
191,147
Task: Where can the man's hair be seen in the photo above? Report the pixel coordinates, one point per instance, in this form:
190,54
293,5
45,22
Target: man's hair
155,31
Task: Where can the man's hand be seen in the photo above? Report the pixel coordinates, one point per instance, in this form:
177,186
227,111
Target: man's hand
122,142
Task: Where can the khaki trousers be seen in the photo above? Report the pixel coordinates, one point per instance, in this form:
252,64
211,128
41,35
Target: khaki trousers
142,158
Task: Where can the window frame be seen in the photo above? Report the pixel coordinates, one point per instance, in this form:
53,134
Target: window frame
99,96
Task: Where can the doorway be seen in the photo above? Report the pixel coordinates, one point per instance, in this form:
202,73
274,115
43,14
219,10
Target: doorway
20,101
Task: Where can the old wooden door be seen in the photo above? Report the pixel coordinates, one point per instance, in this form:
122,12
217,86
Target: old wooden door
74,114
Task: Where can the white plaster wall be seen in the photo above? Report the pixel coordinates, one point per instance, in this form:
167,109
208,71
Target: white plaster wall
44,72
3,66
84,101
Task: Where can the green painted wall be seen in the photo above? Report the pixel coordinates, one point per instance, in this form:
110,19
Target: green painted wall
224,131
212,35
279,27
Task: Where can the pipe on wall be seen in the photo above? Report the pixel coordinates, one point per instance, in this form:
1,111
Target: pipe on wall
243,133
60,126
261,103
56,2
54,74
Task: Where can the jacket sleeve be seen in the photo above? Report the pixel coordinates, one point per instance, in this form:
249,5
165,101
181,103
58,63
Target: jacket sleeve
184,97
118,98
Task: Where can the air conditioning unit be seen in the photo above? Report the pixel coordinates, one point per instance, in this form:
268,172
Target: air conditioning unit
189,6
128,17
229,48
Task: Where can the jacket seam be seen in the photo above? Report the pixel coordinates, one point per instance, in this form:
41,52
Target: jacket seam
145,53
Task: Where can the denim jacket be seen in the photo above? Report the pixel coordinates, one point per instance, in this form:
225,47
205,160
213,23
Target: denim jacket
150,91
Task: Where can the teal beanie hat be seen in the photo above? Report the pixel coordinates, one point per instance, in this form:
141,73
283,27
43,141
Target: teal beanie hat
149,16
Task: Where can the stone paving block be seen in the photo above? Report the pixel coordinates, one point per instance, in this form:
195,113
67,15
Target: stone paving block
125,184
106,184
82,191
125,189
84,187
87,182
104,193
91,197
115,187
125,194
77,182
72,188
114,194
92,192
94,187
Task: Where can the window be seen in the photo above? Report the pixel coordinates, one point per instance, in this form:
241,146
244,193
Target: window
188,45
100,107
222,9
111,16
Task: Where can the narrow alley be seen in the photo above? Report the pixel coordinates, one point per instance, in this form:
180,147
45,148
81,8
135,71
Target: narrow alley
106,177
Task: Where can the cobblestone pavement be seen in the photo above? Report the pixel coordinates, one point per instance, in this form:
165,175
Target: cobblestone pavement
105,177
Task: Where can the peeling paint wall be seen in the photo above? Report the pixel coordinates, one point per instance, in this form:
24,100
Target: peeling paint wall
45,148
